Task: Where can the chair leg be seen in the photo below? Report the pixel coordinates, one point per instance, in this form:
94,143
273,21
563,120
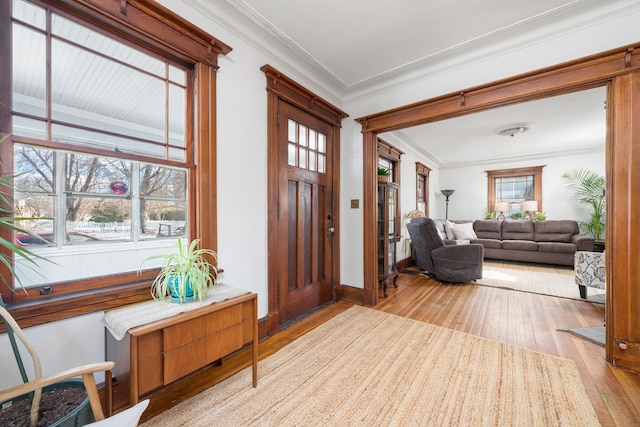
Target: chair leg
583,291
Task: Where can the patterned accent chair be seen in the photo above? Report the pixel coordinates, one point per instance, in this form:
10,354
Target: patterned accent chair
589,270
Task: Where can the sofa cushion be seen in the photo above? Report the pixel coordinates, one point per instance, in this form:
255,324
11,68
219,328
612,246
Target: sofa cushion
555,230
488,229
520,245
489,243
517,230
557,247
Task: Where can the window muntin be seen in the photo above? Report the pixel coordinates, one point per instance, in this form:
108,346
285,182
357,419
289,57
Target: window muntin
514,186
103,93
93,211
514,190
111,199
307,148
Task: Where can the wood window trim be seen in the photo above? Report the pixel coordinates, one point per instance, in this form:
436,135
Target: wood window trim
423,170
389,151
536,171
149,25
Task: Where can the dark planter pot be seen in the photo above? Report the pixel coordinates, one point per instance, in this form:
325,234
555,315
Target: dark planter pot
79,416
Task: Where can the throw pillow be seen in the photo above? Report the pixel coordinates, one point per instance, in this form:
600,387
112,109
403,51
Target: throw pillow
448,228
126,418
464,231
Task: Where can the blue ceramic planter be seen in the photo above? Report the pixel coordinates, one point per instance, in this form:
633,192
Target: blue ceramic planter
173,287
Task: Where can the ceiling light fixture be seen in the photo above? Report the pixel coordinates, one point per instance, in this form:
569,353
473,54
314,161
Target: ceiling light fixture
513,130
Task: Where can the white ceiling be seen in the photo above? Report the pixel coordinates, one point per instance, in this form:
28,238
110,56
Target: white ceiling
562,125
358,43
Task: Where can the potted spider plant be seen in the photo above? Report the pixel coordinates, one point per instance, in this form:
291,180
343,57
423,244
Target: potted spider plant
186,274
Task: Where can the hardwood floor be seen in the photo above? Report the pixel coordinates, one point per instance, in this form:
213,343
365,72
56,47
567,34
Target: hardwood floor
518,318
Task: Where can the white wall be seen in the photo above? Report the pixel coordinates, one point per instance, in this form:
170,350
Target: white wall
242,172
470,199
62,345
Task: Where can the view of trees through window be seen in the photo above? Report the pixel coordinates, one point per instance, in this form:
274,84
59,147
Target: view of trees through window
98,197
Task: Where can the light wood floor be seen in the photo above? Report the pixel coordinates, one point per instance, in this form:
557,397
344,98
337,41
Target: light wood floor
518,318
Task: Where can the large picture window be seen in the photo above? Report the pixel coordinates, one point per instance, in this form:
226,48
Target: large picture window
98,122
97,95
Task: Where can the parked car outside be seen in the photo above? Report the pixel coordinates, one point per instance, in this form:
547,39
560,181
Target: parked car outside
73,237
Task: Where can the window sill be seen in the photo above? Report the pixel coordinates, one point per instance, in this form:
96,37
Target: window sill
38,312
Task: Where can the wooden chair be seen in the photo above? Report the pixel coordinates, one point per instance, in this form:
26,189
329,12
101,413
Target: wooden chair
35,386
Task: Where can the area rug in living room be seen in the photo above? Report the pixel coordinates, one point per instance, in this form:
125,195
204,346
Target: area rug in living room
365,367
537,278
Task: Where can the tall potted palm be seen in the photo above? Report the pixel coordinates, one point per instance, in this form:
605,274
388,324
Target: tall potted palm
588,188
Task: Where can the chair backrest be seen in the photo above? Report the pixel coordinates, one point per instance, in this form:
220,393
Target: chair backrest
14,345
425,238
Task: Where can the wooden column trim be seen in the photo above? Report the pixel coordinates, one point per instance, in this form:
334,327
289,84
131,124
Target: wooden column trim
204,192
370,185
623,224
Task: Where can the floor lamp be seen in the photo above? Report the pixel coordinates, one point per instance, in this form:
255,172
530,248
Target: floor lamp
447,194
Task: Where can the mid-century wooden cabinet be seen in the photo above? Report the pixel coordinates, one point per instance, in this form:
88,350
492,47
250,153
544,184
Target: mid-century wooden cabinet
387,237
154,355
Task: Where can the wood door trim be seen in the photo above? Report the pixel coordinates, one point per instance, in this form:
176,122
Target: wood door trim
282,88
618,70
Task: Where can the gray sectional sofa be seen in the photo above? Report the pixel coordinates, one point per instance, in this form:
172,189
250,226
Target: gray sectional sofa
548,242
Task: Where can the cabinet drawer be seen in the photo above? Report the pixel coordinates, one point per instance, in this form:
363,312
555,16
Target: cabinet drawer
186,359
149,345
150,374
195,329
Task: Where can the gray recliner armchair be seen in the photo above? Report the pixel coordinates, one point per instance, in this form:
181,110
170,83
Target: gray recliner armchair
447,263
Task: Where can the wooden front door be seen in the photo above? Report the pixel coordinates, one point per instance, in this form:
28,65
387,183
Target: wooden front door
305,224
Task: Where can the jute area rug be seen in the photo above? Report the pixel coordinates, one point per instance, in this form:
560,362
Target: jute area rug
535,278
369,368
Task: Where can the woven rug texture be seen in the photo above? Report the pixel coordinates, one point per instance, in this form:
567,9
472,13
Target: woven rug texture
365,367
537,278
